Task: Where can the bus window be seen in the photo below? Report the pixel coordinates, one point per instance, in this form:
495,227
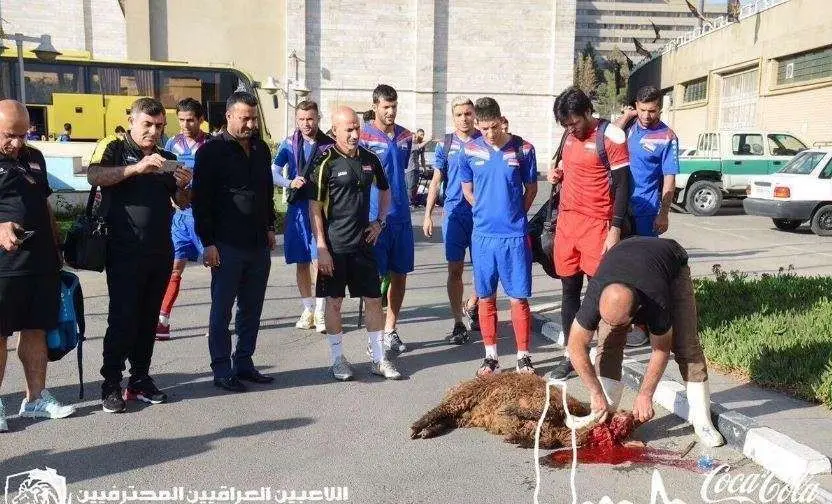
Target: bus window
43,79
230,82
121,81
176,85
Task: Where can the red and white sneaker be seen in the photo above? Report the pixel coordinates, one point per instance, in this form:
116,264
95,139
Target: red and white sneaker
162,332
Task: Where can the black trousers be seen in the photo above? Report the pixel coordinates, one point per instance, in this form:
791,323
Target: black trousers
136,285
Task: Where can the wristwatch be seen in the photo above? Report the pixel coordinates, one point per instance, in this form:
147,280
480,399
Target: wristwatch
382,224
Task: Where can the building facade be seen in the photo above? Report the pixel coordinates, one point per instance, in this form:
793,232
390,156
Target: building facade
611,24
761,73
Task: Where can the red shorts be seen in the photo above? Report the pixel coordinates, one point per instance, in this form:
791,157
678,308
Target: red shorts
579,242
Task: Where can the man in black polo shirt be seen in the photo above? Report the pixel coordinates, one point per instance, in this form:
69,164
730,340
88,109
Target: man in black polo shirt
646,280
234,216
340,211
29,263
137,187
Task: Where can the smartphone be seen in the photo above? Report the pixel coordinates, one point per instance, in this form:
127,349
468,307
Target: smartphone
169,166
25,235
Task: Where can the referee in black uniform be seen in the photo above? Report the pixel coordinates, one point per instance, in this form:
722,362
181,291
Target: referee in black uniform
340,212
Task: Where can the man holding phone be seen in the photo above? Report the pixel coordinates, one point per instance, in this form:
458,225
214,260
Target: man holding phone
138,194
29,262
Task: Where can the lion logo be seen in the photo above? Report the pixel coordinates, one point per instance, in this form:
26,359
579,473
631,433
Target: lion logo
37,486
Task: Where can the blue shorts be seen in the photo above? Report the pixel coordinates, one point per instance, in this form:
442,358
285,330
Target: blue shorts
507,260
644,225
186,244
298,241
394,249
456,233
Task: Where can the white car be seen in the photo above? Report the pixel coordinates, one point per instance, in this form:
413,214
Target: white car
800,191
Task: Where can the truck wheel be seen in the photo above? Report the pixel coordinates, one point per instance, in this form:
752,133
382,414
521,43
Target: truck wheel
787,224
822,221
703,198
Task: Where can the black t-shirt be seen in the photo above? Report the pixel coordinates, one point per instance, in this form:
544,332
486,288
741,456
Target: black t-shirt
24,188
342,184
648,265
139,208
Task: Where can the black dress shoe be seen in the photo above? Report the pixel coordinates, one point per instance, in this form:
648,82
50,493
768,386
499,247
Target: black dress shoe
255,376
230,383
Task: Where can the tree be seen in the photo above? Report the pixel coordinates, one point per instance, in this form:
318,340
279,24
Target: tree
609,97
585,76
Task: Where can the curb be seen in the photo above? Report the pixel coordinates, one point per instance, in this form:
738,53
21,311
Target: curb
776,452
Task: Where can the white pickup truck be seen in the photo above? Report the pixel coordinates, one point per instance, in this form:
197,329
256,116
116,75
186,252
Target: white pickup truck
801,191
725,161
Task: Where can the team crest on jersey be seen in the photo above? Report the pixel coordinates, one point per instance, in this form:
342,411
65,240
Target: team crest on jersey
131,159
367,168
34,166
3,171
511,159
590,146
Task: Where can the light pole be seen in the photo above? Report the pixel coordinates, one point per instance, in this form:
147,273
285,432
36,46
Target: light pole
45,51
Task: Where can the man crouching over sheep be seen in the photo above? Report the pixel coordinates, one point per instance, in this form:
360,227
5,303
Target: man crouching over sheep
646,280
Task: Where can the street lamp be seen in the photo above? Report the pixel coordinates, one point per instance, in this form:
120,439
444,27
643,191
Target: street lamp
45,51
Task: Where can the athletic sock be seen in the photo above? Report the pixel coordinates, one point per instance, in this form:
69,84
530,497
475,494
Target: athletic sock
320,303
171,294
335,345
488,321
308,303
374,338
521,318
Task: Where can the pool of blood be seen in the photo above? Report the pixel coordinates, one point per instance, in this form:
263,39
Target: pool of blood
605,445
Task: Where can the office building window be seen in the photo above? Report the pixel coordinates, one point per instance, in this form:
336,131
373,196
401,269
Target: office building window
696,90
816,64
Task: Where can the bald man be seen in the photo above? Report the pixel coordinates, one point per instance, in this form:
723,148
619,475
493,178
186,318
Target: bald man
340,180
645,280
29,262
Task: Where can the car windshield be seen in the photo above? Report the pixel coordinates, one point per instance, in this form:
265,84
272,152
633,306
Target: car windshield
803,163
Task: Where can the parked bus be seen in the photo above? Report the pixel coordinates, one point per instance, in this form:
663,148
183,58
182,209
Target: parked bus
94,95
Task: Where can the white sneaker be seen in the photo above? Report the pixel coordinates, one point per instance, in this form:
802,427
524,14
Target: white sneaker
386,369
320,322
306,320
342,370
45,407
4,426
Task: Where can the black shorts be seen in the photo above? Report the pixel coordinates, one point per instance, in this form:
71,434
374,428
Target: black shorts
356,270
29,302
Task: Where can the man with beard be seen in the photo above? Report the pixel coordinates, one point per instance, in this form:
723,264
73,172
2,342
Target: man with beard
294,155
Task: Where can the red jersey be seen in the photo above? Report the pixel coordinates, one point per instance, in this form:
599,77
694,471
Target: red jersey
586,181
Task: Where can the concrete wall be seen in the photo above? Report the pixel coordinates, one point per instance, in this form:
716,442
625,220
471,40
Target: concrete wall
247,34
789,28
431,51
96,26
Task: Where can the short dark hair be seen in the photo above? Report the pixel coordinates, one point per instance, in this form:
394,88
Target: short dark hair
384,92
67,126
149,106
240,97
190,105
420,130
649,94
369,116
307,105
572,101
120,129
487,109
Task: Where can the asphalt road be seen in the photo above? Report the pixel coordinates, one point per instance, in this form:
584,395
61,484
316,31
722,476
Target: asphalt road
305,431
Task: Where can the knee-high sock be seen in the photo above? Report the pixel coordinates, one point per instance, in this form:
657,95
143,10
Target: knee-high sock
170,294
570,302
488,321
521,318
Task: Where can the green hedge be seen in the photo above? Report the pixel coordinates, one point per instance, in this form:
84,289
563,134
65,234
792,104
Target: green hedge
774,329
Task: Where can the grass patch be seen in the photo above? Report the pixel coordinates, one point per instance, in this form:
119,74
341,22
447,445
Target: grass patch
774,329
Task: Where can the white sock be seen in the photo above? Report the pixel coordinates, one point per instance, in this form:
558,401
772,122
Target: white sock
308,303
335,345
374,338
320,303
523,353
491,352
164,319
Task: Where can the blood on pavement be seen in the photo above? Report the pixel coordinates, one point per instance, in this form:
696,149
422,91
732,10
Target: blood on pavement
605,445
